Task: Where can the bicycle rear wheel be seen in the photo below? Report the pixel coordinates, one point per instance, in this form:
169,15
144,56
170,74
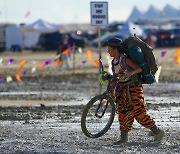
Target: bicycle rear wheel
92,124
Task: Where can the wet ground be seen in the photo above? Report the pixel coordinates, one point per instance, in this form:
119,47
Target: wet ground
42,114
47,115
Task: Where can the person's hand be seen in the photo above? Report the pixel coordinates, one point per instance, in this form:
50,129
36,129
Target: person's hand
104,77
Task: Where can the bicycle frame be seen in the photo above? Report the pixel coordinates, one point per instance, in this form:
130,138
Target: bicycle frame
108,93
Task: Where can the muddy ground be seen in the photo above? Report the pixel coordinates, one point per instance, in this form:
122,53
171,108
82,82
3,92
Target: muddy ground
42,114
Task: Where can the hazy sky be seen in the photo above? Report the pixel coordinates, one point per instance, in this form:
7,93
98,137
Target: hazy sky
71,11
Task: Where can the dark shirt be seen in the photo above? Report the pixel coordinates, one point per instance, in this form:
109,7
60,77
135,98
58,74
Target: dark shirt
63,47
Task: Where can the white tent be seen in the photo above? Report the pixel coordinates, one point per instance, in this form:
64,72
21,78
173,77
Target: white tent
42,26
130,28
32,32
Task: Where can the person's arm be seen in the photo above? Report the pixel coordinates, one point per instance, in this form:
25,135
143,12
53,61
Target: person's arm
136,68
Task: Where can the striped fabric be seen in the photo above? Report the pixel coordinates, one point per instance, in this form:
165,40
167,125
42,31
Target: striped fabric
128,112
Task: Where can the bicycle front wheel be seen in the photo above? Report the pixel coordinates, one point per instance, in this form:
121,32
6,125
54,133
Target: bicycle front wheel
97,116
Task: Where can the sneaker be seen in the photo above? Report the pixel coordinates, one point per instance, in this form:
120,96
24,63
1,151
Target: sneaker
159,136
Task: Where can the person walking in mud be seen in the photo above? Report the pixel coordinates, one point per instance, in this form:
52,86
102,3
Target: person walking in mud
129,94
63,52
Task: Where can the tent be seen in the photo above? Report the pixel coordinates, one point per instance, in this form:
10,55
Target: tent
42,26
130,28
33,31
135,15
152,13
169,12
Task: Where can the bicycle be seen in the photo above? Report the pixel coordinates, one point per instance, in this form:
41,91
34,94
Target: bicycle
98,114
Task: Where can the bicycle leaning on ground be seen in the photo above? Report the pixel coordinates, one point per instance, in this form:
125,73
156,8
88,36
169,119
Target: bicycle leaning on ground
99,112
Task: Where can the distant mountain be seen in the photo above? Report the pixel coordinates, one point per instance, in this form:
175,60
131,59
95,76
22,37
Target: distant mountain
135,15
152,13
169,12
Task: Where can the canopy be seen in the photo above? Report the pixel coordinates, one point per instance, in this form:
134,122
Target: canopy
42,26
130,28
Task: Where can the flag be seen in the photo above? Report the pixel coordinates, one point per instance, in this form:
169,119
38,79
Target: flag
84,62
58,63
41,66
178,56
27,14
96,63
22,62
11,60
89,54
163,54
33,69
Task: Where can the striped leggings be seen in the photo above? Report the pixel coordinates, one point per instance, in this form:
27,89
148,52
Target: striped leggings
134,110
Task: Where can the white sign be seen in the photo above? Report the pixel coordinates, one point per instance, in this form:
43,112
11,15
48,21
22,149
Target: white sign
99,13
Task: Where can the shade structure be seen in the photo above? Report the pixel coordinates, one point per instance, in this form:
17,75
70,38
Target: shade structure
42,26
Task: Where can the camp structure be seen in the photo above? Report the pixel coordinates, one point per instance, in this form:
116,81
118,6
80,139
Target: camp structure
27,36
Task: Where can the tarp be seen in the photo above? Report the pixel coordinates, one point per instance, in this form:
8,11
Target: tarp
42,26
130,28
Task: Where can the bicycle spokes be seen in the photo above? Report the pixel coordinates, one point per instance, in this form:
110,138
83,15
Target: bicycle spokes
101,109
97,116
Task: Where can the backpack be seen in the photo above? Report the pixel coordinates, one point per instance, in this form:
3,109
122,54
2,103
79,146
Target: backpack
141,53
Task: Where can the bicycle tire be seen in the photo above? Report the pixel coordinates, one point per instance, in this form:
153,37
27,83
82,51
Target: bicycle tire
88,106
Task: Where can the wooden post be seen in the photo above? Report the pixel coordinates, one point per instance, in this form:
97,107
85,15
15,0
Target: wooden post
99,41
100,56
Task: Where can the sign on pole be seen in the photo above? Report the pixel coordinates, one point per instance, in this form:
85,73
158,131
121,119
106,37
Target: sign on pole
99,13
